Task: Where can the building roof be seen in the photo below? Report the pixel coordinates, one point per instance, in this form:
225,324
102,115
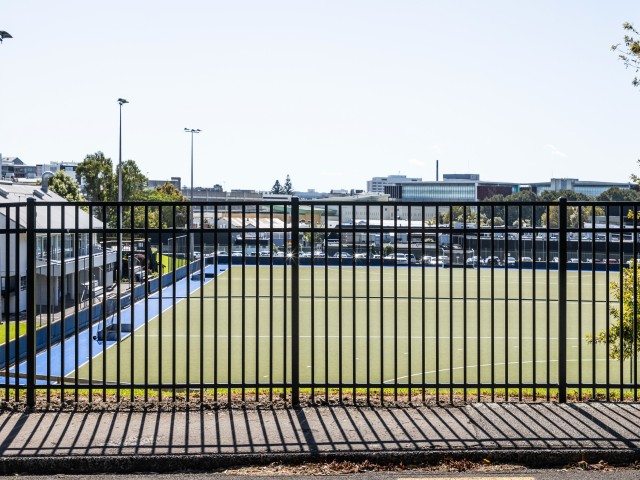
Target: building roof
13,193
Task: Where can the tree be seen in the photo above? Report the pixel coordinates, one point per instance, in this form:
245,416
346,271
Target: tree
65,186
166,193
623,335
629,53
100,182
571,195
277,188
134,182
288,187
95,173
616,194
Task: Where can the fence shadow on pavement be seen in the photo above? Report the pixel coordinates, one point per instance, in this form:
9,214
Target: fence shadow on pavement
317,431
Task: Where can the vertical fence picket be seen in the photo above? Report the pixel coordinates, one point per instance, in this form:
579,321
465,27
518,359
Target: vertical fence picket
562,300
295,301
31,302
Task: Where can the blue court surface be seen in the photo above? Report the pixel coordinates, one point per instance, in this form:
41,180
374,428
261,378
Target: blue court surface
60,359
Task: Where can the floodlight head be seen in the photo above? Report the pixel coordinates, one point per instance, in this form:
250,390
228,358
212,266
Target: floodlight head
4,35
122,101
192,130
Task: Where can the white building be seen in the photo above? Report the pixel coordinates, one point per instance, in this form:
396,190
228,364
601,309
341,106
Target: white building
377,184
56,255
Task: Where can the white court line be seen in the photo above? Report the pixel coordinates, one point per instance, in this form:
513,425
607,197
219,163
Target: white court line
484,365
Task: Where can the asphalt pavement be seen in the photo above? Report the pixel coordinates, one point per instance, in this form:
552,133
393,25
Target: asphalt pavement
536,435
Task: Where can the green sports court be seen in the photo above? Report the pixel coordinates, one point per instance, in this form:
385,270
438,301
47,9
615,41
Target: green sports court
375,326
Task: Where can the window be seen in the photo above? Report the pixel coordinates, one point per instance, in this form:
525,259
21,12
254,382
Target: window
23,283
7,284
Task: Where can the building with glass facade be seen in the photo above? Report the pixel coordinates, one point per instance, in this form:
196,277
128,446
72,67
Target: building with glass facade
449,191
587,187
469,188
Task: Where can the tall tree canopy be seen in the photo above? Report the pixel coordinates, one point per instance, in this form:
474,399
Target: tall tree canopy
65,186
277,188
134,182
288,187
616,194
95,173
100,181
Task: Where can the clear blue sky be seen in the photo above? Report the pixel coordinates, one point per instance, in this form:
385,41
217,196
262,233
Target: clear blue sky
331,92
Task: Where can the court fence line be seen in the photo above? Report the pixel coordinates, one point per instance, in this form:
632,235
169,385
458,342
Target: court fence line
322,276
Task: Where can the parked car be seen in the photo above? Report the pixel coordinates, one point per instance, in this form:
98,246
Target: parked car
405,259
526,259
342,255
436,262
492,261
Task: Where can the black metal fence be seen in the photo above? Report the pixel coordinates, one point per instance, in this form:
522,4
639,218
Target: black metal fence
318,301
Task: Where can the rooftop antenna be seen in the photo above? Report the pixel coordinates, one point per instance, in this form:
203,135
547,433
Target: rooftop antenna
437,173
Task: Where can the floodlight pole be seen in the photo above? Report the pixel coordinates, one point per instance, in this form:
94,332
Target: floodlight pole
191,131
121,101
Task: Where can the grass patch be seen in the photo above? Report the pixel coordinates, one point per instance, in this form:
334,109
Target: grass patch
11,326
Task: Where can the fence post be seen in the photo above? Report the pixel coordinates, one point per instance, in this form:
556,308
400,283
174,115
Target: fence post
295,301
562,300
31,302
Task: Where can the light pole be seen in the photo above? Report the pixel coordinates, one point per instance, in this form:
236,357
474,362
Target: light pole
191,131
121,101
3,35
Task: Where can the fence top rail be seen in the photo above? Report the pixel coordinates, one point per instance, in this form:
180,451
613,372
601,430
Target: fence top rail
321,204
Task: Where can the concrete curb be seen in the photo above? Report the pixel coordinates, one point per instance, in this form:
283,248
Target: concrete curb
128,464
